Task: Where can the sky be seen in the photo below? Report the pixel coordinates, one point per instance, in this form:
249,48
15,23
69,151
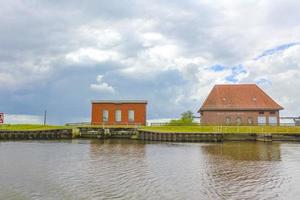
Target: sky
60,55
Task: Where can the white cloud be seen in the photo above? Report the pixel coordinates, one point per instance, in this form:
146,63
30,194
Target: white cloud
147,39
100,36
151,38
86,55
17,76
102,86
281,70
22,119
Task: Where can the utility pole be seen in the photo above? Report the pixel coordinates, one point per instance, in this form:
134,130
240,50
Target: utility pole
45,117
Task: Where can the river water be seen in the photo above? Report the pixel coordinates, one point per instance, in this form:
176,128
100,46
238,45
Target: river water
126,169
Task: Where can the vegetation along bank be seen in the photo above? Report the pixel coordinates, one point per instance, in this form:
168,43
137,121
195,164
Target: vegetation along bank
171,133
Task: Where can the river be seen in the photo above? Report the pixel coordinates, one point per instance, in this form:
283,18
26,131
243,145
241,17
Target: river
129,169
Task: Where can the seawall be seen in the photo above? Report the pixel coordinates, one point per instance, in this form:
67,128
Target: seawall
132,133
180,137
216,137
102,133
36,134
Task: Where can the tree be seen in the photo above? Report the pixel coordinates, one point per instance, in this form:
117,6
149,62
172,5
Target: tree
186,119
187,116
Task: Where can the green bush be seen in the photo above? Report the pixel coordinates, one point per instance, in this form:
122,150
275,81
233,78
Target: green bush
185,120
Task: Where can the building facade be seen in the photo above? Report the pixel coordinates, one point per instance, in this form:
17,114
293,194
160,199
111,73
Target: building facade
119,112
239,104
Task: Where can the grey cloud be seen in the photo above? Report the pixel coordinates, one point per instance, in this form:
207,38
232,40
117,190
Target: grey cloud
36,36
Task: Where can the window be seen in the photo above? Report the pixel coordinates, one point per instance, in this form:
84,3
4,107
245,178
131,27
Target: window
105,115
250,120
273,121
261,120
239,121
228,120
131,115
118,116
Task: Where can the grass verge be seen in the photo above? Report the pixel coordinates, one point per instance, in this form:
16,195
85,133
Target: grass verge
30,127
224,129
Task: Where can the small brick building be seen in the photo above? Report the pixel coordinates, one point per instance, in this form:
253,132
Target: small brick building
239,104
119,112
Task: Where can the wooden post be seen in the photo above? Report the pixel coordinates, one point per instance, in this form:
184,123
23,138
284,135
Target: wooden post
45,117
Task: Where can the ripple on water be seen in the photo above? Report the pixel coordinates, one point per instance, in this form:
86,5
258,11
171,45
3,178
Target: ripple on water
120,169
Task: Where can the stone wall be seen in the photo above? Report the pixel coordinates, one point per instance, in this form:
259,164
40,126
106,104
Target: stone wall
36,135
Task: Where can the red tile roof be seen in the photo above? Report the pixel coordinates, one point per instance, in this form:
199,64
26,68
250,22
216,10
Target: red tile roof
239,97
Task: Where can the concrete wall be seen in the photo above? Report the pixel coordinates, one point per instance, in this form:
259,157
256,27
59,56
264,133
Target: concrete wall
216,137
103,133
36,135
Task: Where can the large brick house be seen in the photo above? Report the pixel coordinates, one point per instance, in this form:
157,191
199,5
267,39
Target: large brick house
239,104
130,112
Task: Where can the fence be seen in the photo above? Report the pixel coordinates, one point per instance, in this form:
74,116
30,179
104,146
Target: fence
232,125
106,125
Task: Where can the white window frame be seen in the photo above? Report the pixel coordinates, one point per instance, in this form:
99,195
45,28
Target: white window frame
228,120
273,120
262,120
105,115
118,115
250,120
131,115
239,121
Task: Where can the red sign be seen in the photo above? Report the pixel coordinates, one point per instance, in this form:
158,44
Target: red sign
1,118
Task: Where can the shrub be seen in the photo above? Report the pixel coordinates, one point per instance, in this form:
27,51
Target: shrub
185,120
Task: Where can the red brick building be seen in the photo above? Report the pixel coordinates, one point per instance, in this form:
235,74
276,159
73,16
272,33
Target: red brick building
119,112
239,104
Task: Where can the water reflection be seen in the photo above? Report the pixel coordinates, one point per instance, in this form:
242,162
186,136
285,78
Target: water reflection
247,170
128,169
245,151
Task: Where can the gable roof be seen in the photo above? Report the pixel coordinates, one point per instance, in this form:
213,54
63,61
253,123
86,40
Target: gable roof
238,97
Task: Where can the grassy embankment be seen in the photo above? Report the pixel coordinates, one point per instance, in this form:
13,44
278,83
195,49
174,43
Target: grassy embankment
106,126
41,127
30,127
177,129
224,129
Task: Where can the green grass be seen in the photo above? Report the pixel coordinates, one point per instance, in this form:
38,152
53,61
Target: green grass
107,126
223,129
30,127
177,129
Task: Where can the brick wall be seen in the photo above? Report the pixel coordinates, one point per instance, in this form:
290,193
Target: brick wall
139,112
219,117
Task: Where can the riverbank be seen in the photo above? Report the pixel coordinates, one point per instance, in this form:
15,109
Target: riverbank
224,129
154,133
165,128
220,133
35,132
30,127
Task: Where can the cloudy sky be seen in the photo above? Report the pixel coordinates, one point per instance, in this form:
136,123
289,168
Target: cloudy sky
59,55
